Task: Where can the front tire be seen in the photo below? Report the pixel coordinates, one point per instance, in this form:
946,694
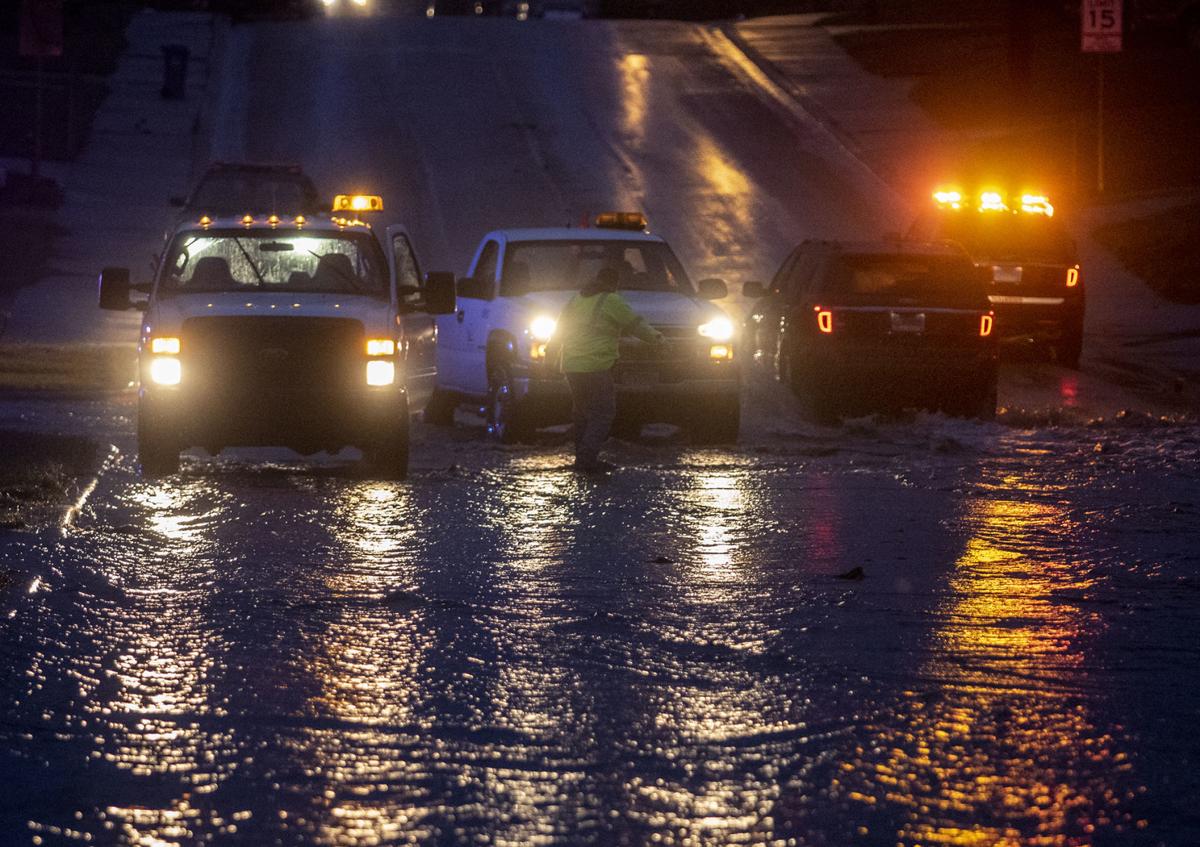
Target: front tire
506,421
718,422
387,455
1069,349
158,453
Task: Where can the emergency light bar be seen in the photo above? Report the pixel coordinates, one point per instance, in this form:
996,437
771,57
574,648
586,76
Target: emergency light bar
993,200
358,203
634,221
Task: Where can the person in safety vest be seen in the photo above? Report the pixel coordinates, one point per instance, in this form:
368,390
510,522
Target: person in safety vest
588,334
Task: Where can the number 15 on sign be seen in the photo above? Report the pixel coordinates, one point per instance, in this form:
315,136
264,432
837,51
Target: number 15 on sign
1102,25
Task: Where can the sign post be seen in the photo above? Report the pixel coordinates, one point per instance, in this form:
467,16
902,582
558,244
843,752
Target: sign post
41,36
1101,30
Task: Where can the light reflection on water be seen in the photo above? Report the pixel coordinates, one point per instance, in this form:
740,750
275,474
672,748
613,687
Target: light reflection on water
997,751
531,670
148,705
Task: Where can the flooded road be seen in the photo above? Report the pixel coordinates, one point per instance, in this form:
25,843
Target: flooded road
499,651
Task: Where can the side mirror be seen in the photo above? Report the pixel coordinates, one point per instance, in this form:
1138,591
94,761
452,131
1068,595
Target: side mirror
754,290
114,289
713,289
177,201
439,293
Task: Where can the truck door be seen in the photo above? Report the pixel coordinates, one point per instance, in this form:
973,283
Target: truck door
463,335
418,330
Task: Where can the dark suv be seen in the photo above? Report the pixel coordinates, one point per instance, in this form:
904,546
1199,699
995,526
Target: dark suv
239,188
854,328
1036,285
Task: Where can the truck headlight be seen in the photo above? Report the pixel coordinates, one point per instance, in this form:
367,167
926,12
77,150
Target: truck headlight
381,372
718,329
167,345
165,370
542,328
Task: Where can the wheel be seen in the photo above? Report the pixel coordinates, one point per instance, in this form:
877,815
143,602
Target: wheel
440,409
505,422
1068,350
387,456
787,373
819,405
717,422
158,454
979,404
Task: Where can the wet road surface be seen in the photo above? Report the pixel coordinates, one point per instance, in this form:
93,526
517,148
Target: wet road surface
498,651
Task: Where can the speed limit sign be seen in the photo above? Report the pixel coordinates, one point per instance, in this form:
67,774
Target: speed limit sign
1101,26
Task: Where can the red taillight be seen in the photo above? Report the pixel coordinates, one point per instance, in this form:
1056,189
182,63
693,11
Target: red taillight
824,319
1072,277
985,325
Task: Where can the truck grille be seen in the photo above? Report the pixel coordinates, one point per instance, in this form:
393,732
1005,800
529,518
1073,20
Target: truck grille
272,356
683,356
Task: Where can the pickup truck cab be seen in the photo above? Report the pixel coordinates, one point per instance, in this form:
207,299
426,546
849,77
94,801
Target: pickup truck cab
492,349
308,334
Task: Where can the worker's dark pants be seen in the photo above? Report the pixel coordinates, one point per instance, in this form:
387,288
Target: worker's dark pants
594,400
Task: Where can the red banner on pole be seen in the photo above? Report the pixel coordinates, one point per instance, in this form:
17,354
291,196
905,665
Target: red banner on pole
41,28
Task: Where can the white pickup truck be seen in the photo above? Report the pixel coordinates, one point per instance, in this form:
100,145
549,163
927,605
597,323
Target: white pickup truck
491,350
299,332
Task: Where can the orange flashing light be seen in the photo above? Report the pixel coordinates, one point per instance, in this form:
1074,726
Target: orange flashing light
986,322
633,221
824,319
1037,204
300,220
273,220
948,198
358,203
1072,277
992,201
205,221
247,220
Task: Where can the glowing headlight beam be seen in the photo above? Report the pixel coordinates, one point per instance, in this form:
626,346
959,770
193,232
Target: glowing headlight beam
542,328
718,329
381,372
165,370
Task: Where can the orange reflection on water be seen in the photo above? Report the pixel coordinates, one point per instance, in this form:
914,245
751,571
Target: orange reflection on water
366,665
998,752
634,72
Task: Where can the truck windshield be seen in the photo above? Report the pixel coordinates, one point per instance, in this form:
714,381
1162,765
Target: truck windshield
334,263
933,281
569,265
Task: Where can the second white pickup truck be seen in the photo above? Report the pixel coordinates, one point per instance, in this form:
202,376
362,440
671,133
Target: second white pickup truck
491,350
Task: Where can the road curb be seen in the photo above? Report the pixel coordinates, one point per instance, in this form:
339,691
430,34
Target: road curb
725,40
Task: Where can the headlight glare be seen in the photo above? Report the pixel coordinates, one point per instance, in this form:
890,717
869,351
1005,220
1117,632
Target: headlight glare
381,347
165,370
542,327
381,372
718,329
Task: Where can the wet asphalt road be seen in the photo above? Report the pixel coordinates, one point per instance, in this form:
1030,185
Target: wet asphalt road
497,651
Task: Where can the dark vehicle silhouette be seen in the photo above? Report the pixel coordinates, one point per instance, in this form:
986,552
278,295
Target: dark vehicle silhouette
854,328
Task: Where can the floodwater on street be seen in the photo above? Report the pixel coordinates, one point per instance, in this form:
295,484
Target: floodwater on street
500,651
